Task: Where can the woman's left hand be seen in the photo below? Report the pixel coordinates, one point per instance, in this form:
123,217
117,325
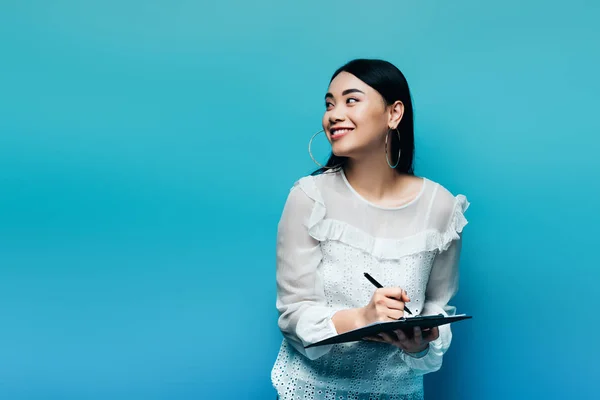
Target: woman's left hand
419,341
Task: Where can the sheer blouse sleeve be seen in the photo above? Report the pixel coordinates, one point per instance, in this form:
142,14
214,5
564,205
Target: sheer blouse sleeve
304,316
442,286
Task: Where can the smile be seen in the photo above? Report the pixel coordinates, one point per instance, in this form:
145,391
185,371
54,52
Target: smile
337,133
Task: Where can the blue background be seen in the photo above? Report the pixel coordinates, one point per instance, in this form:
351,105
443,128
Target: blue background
146,150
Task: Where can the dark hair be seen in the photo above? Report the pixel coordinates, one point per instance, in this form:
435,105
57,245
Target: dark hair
389,81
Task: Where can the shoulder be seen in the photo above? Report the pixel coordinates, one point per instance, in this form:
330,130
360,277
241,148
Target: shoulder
306,190
314,185
445,206
305,200
443,200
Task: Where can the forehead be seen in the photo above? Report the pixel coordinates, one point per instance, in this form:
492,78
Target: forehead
345,80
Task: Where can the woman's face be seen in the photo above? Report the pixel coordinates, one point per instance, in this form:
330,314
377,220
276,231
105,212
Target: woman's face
356,118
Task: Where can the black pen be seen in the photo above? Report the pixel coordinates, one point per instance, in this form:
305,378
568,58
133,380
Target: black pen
378,285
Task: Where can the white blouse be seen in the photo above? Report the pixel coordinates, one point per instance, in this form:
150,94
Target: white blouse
328,236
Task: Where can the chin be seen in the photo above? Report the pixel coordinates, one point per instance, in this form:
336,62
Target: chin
343,150
340,153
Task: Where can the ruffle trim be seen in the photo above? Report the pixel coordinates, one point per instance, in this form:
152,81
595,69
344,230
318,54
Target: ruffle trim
321,229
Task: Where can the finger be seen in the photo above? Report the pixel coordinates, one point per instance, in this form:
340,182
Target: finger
394,304
394,315
374,339
418,337
393,292
405,297
389,309
426,334
433,334
387,337
401,335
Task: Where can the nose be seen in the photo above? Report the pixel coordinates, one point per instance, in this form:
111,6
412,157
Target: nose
335,116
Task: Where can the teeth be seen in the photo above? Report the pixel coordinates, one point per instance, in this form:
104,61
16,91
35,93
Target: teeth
341,131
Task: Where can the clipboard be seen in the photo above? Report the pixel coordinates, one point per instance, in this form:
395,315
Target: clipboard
406,324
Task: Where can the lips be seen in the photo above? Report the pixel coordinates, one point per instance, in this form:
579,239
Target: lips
337,133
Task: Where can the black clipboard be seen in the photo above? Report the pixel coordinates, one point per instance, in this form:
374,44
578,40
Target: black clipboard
406,324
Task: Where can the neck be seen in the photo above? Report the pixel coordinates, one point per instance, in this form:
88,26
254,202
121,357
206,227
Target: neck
372,176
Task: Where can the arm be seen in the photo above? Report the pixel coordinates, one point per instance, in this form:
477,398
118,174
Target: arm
304,316
441,288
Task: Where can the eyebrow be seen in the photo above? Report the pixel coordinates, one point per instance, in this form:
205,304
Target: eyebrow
345,92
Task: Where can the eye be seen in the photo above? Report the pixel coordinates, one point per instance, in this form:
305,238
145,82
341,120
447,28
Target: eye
352,98
328,105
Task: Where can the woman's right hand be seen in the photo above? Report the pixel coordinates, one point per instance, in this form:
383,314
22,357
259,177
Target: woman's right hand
387,304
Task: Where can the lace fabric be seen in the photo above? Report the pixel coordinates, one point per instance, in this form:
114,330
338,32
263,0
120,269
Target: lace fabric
327,237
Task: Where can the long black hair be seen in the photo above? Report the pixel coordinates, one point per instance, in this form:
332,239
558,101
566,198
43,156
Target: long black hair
390,82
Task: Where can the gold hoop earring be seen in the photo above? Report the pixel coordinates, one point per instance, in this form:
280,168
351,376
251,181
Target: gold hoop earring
310,152
386,149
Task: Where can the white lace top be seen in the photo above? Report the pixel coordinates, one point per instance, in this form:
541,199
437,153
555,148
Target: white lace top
328,236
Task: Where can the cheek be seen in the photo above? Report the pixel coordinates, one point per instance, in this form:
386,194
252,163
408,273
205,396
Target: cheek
368,122
365,114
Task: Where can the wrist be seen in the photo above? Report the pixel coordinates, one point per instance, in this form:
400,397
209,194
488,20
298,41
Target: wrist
360,319
348,319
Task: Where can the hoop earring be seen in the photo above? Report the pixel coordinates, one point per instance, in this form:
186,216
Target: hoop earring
386,150
311,156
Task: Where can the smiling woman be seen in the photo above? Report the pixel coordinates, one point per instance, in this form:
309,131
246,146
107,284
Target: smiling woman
365,211
377,102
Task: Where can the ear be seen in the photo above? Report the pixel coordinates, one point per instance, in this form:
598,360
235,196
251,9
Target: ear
396,113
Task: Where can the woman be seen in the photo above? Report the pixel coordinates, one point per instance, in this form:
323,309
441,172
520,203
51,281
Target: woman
365,211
